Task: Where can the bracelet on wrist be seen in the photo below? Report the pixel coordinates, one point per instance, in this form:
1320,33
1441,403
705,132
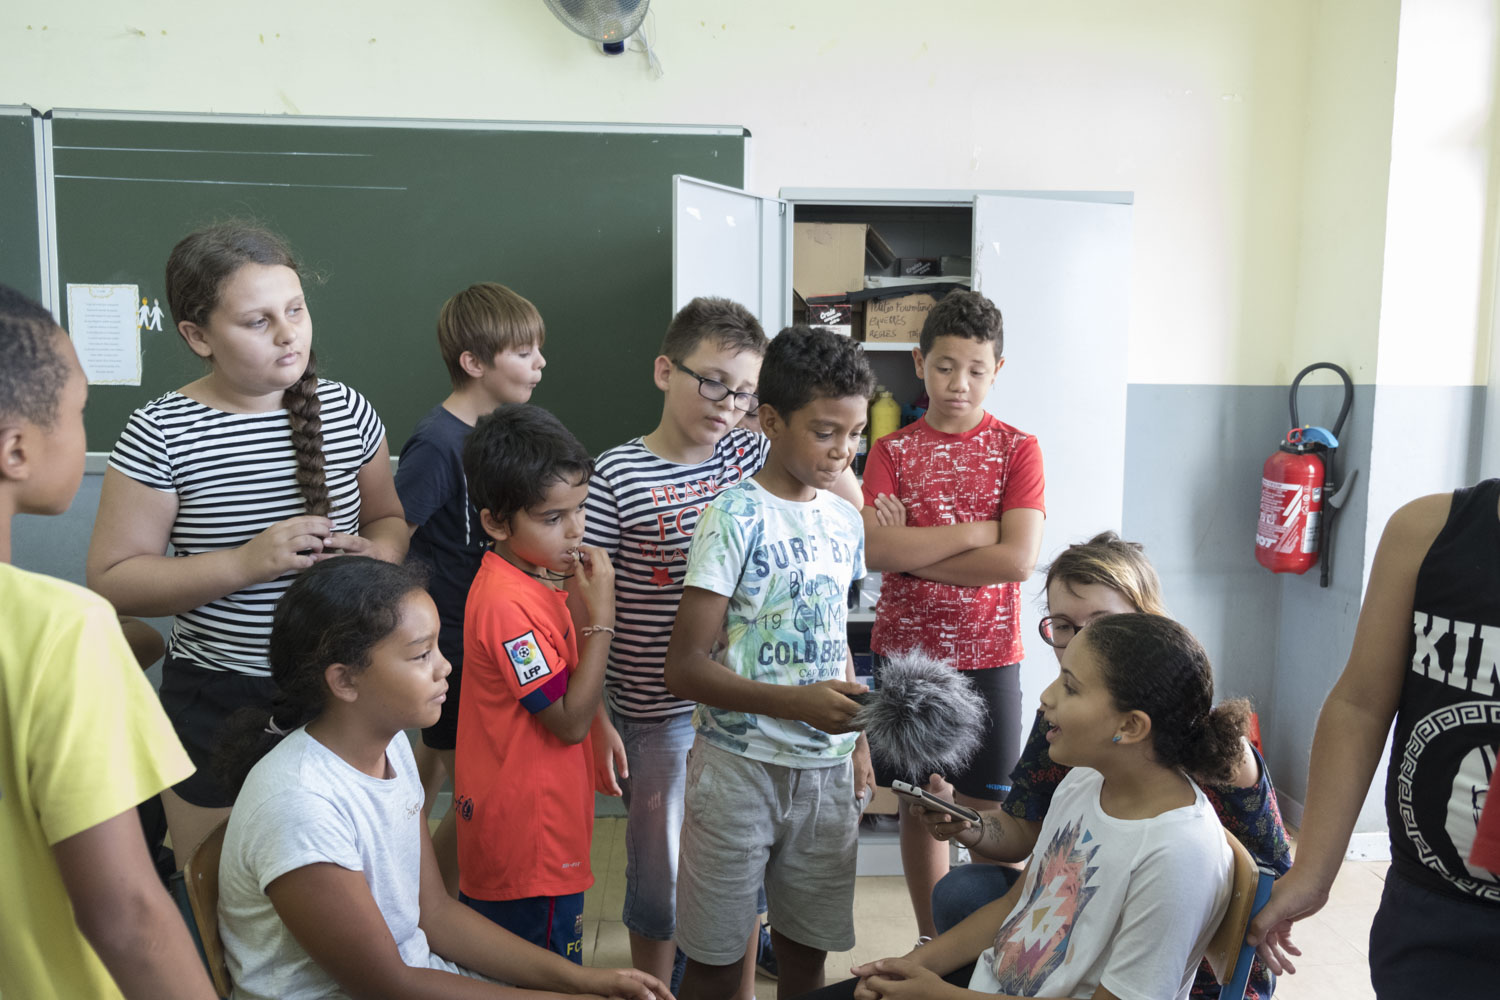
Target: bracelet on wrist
589,630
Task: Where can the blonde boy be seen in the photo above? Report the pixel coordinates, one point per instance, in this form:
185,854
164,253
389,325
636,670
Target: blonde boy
491,341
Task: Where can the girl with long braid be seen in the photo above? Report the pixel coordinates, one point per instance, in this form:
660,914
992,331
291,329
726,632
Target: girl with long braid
251,474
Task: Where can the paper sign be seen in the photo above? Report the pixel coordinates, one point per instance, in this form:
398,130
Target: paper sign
104,322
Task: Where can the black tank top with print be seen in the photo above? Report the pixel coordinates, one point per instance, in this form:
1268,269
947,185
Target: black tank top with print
1448,722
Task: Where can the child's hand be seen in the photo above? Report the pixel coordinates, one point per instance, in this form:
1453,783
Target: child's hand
1292,898
295,543
941,825
594,581
625,984
889,512
826,705
897,979
609,757
340,544
864,771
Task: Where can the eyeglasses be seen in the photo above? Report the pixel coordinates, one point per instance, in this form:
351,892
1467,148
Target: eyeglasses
1057,631
715,390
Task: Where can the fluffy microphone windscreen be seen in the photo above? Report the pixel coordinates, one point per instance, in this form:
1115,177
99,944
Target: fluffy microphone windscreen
924,717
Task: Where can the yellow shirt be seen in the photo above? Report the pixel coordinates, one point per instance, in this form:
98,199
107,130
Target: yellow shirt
83,738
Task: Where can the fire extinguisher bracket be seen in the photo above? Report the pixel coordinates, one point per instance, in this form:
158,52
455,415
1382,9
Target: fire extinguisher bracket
1297,482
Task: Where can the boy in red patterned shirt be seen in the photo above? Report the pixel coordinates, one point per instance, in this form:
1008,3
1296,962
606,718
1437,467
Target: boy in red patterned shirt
953,520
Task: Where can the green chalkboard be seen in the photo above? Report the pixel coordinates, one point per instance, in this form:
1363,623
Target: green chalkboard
20,256
392,219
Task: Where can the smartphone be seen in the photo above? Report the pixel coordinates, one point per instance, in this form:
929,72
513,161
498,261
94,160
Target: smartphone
922,797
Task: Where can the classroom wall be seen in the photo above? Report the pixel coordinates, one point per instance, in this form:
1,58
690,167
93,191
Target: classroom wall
1312,180
1195,107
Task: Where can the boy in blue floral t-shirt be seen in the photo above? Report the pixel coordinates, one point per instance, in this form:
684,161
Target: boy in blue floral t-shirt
775,777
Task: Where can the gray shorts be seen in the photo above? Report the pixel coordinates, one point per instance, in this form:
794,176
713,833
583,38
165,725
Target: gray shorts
746,822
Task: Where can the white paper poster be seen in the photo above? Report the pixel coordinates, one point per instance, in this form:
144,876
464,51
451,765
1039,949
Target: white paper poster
104,322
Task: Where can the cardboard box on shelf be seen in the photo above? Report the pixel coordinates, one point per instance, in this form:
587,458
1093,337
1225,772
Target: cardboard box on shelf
898,319
835,316
956,266
828,258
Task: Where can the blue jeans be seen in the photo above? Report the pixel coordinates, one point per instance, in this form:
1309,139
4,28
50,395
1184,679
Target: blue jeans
656,750
967,888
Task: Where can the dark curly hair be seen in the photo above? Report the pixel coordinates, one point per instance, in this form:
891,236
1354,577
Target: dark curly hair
514,455
803,364
964,313
725,322
1154,665
335,612
35,370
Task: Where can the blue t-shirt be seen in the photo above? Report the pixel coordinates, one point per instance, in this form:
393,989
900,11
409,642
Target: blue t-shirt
449,540
786,567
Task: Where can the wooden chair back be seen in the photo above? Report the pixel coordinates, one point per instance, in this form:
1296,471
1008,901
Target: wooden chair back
201,873
1228,954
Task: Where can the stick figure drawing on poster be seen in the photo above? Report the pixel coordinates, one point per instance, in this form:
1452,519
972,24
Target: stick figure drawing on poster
142,316
156,313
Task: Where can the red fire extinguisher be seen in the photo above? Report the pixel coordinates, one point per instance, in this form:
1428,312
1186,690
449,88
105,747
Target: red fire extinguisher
1291,534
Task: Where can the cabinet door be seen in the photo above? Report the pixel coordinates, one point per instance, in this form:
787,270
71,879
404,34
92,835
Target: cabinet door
734,244
1060,273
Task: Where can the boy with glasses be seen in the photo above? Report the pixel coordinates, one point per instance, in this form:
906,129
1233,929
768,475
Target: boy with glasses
644,503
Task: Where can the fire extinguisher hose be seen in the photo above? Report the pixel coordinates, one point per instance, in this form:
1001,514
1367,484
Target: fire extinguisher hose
1331,480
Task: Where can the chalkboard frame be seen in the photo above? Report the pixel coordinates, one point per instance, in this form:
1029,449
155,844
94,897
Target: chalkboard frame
576,216
21,224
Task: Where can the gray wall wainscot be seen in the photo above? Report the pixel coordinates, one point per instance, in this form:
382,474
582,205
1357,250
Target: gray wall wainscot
1193,458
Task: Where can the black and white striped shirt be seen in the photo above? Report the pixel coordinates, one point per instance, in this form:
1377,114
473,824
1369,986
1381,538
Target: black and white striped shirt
642,510
235,474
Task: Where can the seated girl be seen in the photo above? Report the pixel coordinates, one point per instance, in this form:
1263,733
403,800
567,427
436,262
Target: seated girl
1132,872
328,885
1102,576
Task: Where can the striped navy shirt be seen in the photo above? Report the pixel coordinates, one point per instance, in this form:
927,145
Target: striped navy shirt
642,510
235,474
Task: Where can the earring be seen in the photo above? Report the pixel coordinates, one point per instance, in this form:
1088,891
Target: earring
1116,738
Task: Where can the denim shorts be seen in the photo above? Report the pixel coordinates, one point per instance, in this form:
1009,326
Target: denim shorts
657,753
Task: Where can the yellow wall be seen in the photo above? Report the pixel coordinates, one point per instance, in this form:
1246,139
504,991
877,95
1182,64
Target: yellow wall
1250,131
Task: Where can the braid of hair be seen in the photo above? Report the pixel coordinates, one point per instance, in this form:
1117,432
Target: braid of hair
250,733
304,410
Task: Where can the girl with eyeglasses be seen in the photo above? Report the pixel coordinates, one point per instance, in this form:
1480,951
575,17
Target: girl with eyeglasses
1103,576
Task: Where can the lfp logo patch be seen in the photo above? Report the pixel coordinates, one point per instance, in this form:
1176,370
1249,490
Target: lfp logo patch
526,658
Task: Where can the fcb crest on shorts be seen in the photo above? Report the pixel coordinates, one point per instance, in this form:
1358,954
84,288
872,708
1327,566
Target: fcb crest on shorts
526,658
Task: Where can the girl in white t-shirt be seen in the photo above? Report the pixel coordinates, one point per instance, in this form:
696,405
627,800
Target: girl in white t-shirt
1131,872
328,885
